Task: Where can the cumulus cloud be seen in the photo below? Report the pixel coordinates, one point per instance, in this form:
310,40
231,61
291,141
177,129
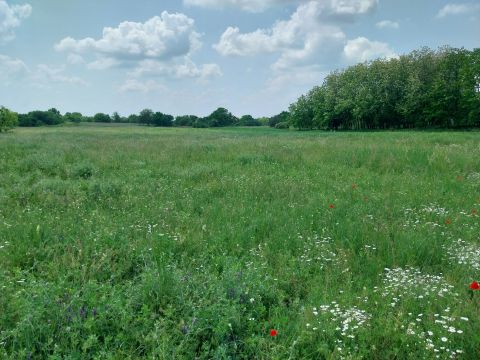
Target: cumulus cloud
457,9
161,37
11,17
308,36
361,49
160,46
387,24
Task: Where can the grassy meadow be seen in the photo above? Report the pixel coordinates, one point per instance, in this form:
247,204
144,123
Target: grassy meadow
136,242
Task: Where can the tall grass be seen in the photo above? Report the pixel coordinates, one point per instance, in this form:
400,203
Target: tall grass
129,242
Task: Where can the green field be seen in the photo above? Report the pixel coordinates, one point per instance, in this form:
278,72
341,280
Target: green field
135,242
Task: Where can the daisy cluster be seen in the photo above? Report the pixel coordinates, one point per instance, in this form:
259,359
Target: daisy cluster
399,283
347,321
319,251
436,333
417,217
462,253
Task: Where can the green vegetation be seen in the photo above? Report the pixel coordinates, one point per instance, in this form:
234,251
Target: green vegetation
219,118
424,89
8,119
135,242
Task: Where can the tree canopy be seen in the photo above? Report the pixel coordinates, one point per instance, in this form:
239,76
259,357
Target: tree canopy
423,89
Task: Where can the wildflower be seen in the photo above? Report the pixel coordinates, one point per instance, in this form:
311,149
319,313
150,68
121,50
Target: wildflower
474,212
273,333
474,286
354,186
331,206
448,222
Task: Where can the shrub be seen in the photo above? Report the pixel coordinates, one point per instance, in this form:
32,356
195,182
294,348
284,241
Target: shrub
8,119
282,125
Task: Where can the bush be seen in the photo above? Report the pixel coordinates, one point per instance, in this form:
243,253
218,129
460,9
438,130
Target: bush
8,119
282,125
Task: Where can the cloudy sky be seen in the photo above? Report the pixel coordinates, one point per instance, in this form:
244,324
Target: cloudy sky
192,56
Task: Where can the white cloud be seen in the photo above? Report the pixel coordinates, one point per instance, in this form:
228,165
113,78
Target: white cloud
457,9
161,37
16,71
335,7
361,49
46,75
302,39
11,69
160,46
103,63
11,17
387,24
187,69
135,85
75,59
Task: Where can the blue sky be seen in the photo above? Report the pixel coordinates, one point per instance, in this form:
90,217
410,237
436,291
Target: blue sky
192,56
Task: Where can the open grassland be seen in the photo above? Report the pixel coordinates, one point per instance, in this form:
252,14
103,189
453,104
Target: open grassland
132,242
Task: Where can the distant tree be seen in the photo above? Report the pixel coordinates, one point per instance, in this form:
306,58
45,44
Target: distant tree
39,118
201,123
282,117
160,119
248,120
133,119
8,119
221,117
102,118
185,120
146,117
116,118
263,121
75,117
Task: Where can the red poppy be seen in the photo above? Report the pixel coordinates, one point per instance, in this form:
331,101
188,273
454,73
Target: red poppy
474,286
448,222
273,333
331,206
474,212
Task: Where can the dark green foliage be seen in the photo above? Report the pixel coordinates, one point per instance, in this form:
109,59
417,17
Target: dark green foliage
220,118
145,117
102,118
75,117
40,118
424,89
8,119
185,120
160,119
282,117
248,120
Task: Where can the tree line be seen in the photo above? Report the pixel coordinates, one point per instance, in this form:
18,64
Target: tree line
221,117
423,89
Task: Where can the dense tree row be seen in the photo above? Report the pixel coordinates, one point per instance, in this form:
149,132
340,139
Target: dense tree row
424,89
219,118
